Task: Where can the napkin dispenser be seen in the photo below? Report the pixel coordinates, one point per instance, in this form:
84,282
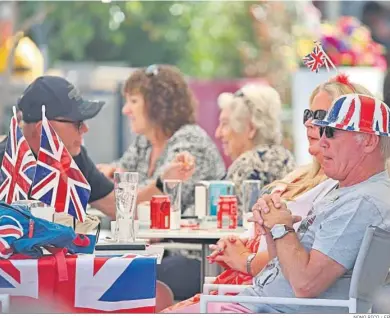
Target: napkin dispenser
207,194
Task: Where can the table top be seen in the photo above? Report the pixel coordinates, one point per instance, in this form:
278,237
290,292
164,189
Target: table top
185,233
151,250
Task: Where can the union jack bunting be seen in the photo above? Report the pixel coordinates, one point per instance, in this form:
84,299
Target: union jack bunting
316,59
18,166
58,180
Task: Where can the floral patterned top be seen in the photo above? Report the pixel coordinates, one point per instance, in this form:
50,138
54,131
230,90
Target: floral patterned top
192,138
266,163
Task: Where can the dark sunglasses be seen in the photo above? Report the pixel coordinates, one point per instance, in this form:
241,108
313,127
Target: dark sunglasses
241,94
329,131
77,124
309,114
152,70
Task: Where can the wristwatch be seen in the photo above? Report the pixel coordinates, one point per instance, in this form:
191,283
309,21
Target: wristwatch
249,262
280,230
159,184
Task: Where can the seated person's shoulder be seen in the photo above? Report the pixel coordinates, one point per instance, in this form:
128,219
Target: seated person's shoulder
376,191
276,154
371,195
192,134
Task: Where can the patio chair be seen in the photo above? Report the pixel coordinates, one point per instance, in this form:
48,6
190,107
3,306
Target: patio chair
369,274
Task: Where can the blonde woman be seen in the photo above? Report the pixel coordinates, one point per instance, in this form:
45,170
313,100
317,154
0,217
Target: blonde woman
250,131
241,256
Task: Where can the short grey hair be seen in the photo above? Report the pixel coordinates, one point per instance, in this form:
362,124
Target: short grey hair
384,145
261,105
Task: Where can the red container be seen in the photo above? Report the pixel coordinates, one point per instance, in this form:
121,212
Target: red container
227,212
160,210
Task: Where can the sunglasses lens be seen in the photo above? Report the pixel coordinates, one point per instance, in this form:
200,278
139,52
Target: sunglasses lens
329,131
319,114
307,114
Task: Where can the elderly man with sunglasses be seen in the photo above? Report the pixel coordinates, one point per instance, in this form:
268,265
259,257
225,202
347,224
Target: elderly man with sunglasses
317,259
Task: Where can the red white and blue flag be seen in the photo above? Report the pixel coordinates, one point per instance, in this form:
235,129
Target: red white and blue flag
18,166
58,180
95,284
316,59
10,231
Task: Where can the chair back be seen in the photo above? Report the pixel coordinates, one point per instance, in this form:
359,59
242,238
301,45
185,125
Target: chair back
371,267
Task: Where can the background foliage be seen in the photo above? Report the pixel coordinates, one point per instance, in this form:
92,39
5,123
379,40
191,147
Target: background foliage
201,38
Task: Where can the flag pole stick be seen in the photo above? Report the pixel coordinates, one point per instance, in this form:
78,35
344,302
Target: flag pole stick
327,57
43,111
14,111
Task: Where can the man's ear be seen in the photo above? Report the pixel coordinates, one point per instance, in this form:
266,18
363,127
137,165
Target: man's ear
370,143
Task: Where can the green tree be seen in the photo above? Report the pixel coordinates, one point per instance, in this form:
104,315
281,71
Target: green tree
202,38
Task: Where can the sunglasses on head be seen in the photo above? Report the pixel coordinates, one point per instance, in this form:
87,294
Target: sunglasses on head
152,70
77,124
329,131
309,114
246,100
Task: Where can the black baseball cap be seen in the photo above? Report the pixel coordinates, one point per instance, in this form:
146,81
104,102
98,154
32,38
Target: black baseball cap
61,99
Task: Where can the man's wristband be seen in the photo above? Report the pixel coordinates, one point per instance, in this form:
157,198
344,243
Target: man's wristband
159,184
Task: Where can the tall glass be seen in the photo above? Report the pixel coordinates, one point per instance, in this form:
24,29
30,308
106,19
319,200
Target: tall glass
250,194
172,188
126,186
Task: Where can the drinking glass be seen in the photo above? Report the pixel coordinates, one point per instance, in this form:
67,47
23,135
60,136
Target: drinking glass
125,189
172,188
250,194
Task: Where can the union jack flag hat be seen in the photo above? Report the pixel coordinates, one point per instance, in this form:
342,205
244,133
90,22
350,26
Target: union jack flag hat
360,113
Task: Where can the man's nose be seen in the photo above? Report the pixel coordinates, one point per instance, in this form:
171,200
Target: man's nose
84,128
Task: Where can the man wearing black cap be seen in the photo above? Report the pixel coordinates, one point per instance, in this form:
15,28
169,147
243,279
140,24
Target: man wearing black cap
66,110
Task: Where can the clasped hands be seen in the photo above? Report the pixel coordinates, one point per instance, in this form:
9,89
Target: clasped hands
231,252
269,210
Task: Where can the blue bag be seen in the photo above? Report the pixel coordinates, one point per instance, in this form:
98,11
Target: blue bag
30,234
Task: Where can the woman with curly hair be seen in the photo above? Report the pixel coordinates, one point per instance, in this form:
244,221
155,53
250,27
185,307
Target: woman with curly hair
161,110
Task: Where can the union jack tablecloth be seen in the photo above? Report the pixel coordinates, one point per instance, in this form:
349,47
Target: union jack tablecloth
94,284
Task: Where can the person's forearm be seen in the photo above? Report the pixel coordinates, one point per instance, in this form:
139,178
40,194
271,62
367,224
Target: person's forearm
257,264
106,205
145,193
271,247
261,259
294,260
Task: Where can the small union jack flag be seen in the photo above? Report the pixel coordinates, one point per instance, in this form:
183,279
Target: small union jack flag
10,231
58,180
315,60
18,166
